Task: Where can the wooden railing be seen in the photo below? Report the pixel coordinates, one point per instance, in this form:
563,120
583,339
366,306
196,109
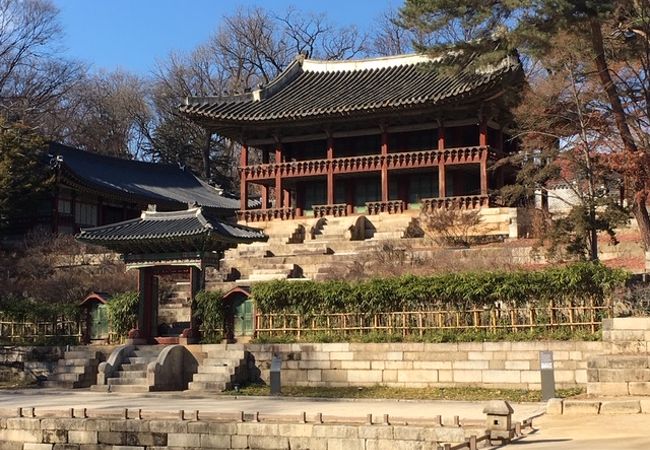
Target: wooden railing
263,215
368,163
336,210
11,331
460,202
419,322
390,207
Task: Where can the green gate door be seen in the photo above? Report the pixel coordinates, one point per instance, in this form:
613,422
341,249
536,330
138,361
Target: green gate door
243,312
99,322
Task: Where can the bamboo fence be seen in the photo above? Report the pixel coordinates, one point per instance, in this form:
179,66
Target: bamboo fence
579,317
11,331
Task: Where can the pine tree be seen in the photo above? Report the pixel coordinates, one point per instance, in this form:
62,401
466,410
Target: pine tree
615,36
24,175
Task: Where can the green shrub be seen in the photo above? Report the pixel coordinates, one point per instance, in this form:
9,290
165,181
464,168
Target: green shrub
123,312
577,282
210,312
20,309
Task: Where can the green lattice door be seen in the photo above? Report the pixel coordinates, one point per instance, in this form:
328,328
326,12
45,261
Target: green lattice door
99,322
243,320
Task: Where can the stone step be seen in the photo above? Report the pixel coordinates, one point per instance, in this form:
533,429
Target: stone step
213,377
141,359
215,386
216,370
80,354
131,381
72,369
132,388
61,384
225,353
58,376
81,362
135,366
122,373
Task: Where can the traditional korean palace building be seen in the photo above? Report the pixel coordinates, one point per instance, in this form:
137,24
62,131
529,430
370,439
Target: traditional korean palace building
368,136
94,189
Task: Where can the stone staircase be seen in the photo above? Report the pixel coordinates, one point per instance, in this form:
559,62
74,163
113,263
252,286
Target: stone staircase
77,368
625,368
225,366
132,373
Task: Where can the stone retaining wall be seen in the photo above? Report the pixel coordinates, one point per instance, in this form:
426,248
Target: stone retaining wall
28,362
488,364
78,433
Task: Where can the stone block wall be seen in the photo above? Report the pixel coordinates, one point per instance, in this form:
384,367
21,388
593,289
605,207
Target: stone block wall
624,366
151,432
28,362
488,364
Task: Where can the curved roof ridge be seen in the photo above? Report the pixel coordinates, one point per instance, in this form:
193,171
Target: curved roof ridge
382,62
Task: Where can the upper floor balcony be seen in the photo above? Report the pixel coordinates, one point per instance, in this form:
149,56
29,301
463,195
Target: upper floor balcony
369,163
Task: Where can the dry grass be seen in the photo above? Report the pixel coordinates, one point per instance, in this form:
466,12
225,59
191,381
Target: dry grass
385,392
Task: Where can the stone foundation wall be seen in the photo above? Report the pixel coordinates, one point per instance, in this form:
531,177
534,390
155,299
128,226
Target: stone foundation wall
28,362
189,431
488,364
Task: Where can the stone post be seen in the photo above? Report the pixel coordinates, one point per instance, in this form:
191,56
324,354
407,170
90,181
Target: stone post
499,420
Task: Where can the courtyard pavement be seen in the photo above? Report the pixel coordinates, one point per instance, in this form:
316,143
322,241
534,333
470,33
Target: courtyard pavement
604,432
83,398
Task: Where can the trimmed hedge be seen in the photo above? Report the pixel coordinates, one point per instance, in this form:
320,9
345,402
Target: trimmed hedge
576,282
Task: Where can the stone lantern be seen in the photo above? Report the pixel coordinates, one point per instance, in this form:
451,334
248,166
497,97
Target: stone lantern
499,420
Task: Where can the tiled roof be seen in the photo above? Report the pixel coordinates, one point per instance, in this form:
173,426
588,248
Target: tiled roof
190,224
320,89
137,181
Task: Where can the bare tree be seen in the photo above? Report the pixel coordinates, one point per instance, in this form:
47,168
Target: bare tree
33,74
106,114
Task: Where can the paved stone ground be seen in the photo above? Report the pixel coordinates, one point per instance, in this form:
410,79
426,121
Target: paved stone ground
604,432
82,398
620,432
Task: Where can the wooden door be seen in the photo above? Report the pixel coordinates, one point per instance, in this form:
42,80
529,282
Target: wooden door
99,322
243,316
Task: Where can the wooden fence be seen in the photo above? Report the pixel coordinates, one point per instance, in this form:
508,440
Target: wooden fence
33,331
585,317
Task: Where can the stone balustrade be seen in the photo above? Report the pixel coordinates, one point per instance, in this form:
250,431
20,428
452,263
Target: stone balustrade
390,207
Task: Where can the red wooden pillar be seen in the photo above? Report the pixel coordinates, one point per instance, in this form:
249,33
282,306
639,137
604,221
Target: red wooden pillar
483,142
192,335
278,178
145,311
300,198
286,198
264,190
330,170
384,166
243,184
442,173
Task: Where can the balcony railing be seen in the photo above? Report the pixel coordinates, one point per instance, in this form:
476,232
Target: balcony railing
368,163
336,210
460,202
390,207
264,215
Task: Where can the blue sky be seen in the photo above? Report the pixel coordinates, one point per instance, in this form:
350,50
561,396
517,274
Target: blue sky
132,34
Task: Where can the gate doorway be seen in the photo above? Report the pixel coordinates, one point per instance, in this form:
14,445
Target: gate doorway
241,317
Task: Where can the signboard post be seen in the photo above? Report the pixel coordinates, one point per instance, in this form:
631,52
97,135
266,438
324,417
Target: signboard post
548,374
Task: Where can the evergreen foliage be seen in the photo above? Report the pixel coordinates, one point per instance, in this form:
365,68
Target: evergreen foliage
24,176
580,281
123,312
209,310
